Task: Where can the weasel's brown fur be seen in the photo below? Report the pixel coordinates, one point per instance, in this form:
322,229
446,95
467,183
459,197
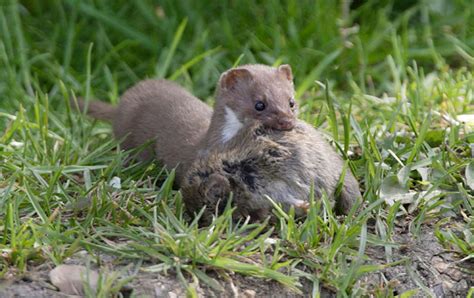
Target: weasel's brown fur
161,111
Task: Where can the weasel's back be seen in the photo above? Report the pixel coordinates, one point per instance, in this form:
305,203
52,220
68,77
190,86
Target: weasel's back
162,111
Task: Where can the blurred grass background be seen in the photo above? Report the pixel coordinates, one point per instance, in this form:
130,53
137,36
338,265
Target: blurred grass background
132,40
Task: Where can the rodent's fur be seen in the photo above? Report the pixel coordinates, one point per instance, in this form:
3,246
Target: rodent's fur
260,160
280,164
161,111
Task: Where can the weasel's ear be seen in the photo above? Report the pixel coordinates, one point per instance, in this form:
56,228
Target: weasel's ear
286,70
230,78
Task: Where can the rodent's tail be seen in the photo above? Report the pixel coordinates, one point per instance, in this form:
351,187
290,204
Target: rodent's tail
95,108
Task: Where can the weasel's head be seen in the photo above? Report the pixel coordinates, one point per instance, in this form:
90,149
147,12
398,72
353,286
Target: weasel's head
257,94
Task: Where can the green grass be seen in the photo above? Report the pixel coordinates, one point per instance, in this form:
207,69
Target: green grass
385,80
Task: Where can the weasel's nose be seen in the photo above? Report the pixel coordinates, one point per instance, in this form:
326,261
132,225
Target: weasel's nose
286,123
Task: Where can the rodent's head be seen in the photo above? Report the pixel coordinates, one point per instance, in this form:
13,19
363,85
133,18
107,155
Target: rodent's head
259,94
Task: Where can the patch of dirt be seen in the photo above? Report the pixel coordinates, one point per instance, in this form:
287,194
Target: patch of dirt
36,282
426,266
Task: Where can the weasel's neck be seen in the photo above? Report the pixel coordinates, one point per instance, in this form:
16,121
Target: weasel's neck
224,127
232,125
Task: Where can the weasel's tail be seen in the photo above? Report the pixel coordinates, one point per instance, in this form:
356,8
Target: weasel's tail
95,108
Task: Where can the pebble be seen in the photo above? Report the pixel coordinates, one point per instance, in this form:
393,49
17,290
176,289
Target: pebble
70,279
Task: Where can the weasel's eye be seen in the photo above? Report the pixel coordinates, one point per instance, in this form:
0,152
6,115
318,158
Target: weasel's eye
292,103
260,106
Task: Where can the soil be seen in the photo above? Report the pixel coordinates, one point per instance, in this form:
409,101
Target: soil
427,267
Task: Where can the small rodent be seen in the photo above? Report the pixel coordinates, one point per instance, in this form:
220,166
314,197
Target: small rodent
250,153
161,111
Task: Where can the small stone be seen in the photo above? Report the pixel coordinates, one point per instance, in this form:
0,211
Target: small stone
160,291
439,264
448,285
460,287
454,274
436,259
70,279
249,294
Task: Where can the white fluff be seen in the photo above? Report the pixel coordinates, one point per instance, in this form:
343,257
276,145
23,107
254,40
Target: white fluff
115,182
232,125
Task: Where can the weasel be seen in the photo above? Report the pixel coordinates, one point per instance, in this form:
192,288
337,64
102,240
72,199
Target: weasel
161,111
255,147
178,123
252,146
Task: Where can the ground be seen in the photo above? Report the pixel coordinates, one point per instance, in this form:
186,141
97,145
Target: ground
425,263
